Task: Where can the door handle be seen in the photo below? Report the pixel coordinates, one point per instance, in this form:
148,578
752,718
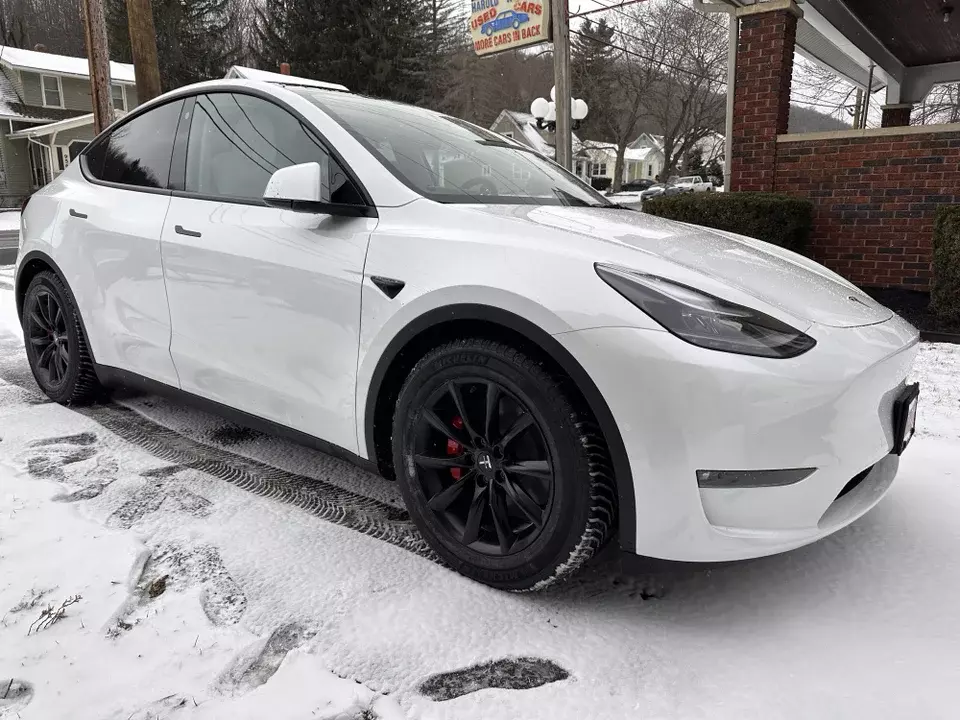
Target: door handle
74,213
181,230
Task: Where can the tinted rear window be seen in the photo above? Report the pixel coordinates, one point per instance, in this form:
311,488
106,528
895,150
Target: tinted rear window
138,152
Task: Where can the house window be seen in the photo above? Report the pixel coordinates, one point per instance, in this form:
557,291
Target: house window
119,94
509,134
600,170
649,170
52,91
39,164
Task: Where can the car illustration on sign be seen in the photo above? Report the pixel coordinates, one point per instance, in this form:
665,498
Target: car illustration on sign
505,20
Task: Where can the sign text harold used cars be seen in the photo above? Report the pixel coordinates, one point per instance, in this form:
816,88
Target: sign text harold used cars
498,25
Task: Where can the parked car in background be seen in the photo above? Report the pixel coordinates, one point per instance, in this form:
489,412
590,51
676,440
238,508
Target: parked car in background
630,193
658,189
694,183
637,185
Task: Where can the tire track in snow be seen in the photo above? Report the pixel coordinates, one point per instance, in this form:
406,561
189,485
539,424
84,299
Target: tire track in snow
323,499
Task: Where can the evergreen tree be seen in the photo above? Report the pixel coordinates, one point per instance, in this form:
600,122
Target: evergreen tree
445,33
714,169
193,38
592,65
693,163
379,49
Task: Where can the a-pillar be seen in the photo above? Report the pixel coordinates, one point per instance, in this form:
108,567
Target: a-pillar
768,32
896,115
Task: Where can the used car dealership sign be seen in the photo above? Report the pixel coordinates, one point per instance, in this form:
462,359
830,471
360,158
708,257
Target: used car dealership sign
498,25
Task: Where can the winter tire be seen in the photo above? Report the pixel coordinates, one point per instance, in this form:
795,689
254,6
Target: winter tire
55,342
502,472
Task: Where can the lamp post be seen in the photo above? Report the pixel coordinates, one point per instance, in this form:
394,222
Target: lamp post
545,111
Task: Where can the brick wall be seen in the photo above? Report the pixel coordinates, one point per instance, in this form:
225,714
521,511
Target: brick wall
761,97
874,200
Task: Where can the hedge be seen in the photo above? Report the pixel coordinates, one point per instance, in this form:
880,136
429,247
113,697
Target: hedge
945,297
778,219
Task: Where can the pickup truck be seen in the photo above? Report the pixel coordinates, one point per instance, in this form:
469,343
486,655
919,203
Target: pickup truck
694,183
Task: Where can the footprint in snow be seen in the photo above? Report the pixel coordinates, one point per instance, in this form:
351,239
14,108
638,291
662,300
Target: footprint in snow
256,664
53,458
15,695
509,674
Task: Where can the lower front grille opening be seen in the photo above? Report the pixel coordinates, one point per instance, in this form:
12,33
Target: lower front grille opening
857,479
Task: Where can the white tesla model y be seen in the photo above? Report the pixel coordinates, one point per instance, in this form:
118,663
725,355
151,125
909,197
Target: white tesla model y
534,365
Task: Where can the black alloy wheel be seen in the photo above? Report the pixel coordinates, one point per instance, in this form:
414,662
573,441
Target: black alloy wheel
55,342
483,465
46,331
500,466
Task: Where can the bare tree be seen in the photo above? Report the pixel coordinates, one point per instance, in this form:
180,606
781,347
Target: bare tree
685,52
821,89
941,105
477,89
609,75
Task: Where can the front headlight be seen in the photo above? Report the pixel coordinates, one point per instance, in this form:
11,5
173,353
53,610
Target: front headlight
704,320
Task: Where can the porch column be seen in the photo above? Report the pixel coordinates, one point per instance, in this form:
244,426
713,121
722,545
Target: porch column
768,33
896,115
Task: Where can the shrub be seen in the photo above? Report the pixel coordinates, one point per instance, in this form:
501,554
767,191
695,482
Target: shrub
778,219
601,183
945,297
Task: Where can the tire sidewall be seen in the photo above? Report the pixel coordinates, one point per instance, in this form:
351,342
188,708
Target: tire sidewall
571,493
46,281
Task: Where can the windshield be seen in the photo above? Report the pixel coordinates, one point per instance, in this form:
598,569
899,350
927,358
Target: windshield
450,160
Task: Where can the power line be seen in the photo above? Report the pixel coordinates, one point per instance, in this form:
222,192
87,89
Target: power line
658,61
604,8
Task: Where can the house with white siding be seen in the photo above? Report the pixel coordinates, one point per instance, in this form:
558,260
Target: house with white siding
639,163
522,127
46,115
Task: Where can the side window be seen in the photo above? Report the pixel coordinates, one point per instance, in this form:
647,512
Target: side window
138,152
238,141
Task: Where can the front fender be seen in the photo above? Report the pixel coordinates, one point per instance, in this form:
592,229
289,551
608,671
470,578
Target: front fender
385,327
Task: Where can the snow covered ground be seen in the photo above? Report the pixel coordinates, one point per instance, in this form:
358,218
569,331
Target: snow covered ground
227,574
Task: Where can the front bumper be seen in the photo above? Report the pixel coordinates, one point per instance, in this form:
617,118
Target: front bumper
680,409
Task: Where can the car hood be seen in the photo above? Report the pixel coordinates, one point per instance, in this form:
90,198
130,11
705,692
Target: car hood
779,277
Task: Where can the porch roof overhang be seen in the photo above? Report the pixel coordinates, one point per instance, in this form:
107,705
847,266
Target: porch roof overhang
51,128
907,42
56,127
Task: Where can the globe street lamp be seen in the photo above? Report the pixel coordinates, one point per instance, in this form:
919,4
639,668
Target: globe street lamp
545,111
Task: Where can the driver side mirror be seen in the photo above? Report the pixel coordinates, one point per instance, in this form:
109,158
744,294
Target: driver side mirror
306,188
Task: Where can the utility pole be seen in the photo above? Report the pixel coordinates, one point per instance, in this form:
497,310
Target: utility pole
561,80
95,30
143,45
857,109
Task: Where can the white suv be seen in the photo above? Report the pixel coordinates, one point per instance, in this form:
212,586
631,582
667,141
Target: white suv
695,183
535,366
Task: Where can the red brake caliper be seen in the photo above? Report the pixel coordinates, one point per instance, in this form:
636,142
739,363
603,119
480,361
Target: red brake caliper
454,448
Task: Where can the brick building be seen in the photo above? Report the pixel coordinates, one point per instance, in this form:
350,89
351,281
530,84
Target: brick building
874,191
